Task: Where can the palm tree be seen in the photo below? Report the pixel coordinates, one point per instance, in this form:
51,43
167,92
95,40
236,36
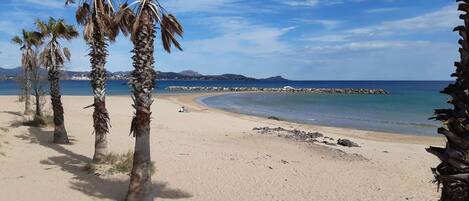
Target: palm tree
53,57
453,171
96,17
146,15
27,42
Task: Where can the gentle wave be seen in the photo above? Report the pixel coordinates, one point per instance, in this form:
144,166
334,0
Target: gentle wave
404,123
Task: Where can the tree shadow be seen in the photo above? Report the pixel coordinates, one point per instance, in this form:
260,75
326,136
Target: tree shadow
13,113
90,184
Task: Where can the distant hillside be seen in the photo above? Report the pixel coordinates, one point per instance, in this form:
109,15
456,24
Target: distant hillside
124,75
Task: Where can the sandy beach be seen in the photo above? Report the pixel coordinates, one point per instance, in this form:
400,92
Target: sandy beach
208,154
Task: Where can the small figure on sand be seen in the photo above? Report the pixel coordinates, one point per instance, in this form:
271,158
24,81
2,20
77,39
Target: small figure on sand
183,109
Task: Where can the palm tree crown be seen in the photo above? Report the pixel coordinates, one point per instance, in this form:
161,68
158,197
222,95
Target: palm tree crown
53,55
28,40
96,13
129,17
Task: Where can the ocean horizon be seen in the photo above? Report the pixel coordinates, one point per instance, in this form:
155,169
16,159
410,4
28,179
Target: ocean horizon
404,110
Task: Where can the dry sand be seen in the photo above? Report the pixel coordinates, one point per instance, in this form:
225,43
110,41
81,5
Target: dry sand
208,154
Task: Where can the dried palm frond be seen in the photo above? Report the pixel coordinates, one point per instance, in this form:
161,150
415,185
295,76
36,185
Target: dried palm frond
168,23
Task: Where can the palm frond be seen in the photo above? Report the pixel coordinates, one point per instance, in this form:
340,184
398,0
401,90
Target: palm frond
170,26
67,53
53,56
124,19
83,11
67,2
17,40
43,27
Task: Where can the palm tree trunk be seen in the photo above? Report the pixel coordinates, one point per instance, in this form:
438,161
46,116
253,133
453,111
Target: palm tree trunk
27,92
143,82
98,55
37,92
60,134
38,102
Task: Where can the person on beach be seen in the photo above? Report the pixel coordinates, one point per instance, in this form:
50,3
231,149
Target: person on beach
183,109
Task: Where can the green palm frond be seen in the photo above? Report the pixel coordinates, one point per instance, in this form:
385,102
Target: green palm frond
43,27
17,40
28,39
56,29
53,55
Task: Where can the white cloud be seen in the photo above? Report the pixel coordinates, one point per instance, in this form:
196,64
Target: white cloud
365,46
446,17
327,23
241,36
44,3
312,3
197,5
301,2
328,38
382,10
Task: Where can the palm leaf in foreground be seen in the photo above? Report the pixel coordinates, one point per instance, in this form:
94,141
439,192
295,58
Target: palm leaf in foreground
453,171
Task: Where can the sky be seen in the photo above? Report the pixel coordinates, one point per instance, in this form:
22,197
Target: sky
297,39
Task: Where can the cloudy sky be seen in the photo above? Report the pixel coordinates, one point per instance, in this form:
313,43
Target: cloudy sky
298,39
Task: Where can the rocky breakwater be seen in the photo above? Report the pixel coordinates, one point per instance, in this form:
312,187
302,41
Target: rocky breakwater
286,89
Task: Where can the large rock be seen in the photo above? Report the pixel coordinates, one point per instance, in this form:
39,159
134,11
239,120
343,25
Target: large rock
347,143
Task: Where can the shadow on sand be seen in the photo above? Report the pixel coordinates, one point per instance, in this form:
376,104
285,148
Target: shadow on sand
12,113
89,184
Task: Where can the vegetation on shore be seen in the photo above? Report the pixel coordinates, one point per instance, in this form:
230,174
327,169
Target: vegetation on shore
113,163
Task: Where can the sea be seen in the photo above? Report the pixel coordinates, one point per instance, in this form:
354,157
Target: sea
405,110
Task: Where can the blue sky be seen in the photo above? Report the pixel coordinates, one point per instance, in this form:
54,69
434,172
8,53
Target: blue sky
298,39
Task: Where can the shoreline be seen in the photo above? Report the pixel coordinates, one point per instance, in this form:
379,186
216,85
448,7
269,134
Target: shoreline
190,99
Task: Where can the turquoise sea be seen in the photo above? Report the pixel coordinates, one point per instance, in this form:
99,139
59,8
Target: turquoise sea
405,110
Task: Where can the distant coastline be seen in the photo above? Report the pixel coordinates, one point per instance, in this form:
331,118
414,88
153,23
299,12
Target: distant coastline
187,75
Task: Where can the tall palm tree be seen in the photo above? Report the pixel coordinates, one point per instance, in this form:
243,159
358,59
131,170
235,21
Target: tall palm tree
97,18
53,57
146,15
453,171
28,41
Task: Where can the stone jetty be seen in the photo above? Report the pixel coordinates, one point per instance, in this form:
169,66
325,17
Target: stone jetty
286,89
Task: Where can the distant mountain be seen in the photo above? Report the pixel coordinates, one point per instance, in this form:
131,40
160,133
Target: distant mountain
276,78
124,75
10,72
190,73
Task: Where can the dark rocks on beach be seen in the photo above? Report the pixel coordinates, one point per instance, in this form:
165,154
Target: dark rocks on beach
311,137
286,89
274,118
347,143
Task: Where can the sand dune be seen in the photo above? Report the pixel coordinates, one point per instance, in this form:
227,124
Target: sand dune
207,155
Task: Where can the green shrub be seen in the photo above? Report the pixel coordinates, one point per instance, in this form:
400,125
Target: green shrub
115,163
41,122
